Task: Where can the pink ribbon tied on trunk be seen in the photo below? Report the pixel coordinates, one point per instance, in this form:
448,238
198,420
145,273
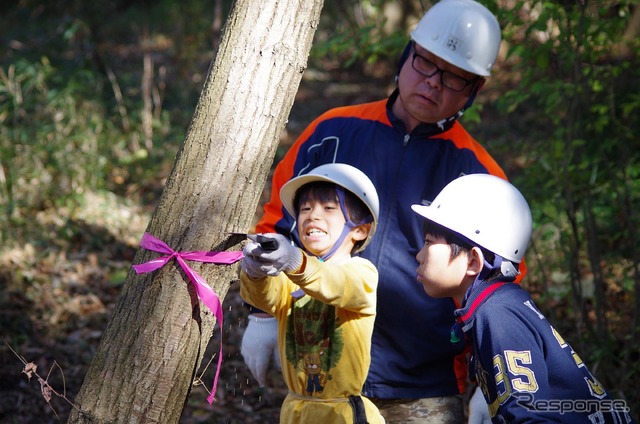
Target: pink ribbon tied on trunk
205,293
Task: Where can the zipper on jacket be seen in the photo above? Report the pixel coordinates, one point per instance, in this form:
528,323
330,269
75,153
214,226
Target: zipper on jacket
407,137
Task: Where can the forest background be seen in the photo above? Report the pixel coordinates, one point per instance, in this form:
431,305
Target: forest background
96,98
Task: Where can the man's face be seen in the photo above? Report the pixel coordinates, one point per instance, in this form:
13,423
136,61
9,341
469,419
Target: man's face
425,99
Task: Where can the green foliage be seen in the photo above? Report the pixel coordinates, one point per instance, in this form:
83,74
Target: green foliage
71,115
56,138
581,153
355,35
361,44
49,135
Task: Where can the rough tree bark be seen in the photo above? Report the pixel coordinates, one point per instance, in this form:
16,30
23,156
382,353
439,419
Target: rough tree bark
147,358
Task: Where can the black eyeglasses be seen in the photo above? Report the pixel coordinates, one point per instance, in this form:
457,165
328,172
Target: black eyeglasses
427,68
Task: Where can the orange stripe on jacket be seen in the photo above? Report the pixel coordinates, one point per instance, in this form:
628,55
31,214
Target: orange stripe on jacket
284,169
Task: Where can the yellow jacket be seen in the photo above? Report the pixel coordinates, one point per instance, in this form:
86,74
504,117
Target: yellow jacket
325,319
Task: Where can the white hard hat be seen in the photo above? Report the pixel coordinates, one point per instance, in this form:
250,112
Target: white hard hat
343,175
485,209
462,32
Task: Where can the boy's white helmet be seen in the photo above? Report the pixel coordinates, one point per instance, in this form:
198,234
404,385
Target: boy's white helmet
462,32
343,175
485,209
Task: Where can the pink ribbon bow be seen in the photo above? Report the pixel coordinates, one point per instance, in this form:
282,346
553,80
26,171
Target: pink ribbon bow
205,293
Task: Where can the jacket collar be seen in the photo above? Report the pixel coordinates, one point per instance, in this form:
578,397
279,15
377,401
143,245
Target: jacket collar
477,295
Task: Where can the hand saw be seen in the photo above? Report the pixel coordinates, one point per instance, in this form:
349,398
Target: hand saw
267,243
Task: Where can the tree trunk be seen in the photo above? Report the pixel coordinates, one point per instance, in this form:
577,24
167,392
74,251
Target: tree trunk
146,361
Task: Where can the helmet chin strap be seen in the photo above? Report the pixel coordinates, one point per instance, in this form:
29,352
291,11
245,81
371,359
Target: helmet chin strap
348,225
403,58
441,124
507,268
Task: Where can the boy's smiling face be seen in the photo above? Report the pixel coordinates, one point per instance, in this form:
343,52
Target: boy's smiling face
320,225
440,275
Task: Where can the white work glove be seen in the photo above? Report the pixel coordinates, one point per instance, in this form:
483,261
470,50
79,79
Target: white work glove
259,262
478,409
250,264
259,345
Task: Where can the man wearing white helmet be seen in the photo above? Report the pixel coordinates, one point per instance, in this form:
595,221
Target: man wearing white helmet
410,145
323,299
476,233
453,48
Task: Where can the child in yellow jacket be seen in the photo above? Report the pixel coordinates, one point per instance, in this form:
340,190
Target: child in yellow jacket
323,297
